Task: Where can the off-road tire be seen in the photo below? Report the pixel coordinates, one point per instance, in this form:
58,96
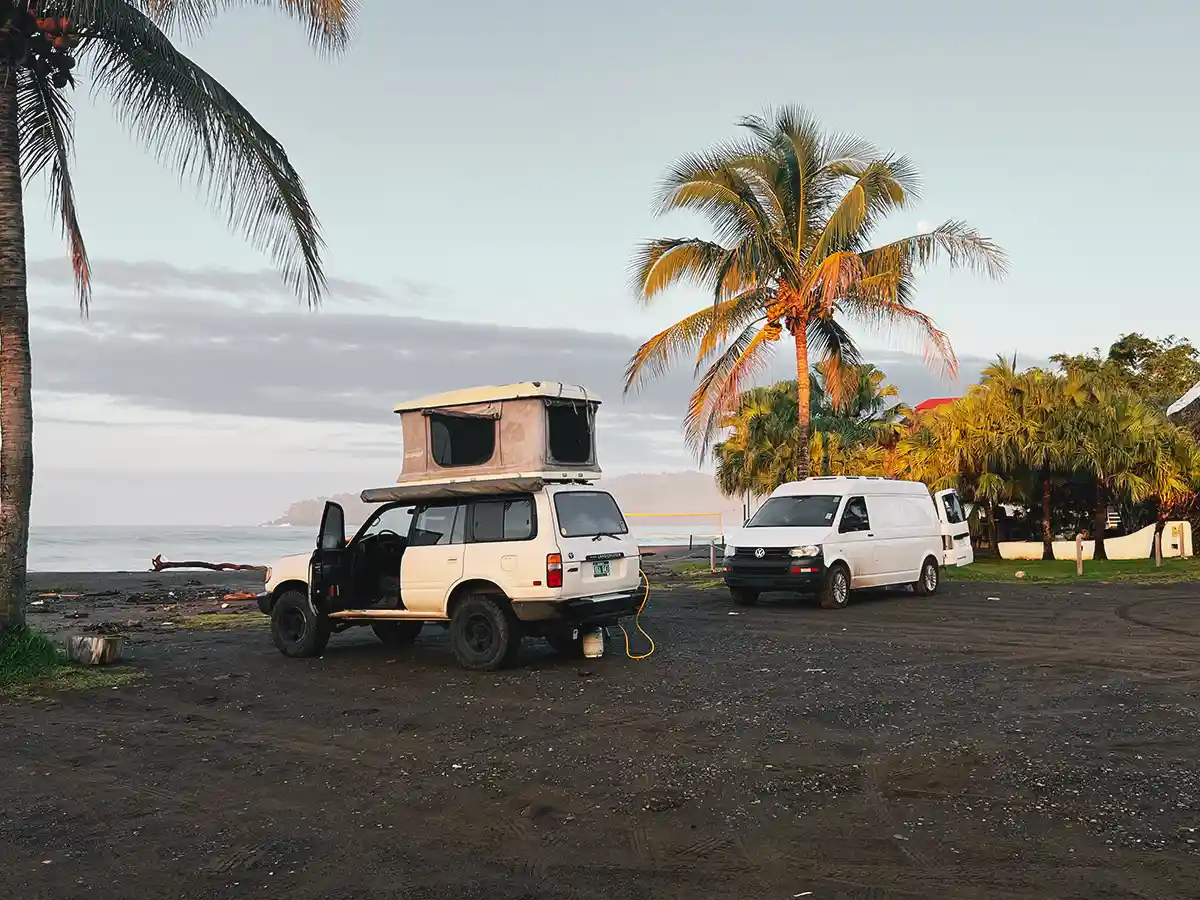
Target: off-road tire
744,596
835,593
484,633
298,630
930,579
397,634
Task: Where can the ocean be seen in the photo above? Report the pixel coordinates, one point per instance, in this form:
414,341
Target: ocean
66,548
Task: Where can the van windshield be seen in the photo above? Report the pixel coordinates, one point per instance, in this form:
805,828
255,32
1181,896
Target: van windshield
586,513
807,511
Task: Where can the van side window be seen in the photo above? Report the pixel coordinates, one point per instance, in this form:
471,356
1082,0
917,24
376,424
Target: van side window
436,526
954,509
502,520
854,516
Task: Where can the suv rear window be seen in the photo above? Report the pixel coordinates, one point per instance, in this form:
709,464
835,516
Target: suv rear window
584,513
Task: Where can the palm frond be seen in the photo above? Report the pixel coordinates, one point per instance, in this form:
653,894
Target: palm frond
329,21
689,335
662,263
187,118
45,125
954,242
719,388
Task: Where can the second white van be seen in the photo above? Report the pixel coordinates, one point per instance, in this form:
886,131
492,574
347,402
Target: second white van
832,535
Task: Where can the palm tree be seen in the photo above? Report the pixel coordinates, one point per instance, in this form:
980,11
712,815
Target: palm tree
792,210
185,117
866,410
757,453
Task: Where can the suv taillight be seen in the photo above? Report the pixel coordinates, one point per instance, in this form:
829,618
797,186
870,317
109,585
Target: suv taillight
554,570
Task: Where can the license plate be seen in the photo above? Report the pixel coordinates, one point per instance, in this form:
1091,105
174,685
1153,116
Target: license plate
602,568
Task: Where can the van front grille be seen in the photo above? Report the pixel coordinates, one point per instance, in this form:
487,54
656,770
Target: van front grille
769,553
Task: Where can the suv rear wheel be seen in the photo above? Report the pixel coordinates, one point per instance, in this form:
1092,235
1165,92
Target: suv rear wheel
297,629
484,633
397,634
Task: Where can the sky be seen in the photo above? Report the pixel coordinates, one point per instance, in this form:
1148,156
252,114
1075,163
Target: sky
483,173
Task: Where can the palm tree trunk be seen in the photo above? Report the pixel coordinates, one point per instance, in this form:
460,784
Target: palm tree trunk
1047,533
16,407
1100,520
804,398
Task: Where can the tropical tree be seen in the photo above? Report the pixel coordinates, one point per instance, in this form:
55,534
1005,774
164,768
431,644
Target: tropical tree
848,432
792,210
183,116
857,403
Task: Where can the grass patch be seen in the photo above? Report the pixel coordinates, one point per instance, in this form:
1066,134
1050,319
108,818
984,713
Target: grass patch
26,655
214,621
692,569
31,664
1131,571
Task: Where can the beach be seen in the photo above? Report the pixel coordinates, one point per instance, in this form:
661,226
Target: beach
1015,740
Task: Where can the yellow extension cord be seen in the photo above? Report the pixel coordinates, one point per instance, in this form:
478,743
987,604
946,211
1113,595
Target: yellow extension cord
636,624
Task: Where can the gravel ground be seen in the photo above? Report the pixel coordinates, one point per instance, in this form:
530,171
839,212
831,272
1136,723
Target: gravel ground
1015,741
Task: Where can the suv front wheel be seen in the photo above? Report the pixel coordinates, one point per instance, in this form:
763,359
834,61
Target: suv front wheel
297,629
484,633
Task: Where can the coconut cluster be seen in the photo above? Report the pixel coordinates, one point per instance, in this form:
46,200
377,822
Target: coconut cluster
40,43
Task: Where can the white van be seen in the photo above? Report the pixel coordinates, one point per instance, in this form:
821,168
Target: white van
831,535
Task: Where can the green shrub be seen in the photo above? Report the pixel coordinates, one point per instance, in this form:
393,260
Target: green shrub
26,655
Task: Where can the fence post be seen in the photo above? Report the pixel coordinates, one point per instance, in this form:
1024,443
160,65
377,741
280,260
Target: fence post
712,556
1078,554
1157,548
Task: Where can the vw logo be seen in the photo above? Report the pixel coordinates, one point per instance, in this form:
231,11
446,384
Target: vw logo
760,553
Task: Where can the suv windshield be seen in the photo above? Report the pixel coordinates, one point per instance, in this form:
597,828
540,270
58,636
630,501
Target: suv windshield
807,511
584,513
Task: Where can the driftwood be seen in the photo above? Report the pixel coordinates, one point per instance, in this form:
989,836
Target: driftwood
158,564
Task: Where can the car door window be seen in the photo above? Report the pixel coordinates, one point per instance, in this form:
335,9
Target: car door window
397,519
854,516
502,520
437,526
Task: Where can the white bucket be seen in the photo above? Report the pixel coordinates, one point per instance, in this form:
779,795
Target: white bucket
593,643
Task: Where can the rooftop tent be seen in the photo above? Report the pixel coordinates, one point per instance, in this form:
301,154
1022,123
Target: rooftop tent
533,428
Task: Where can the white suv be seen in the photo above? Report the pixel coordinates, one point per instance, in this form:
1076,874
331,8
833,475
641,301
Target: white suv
531,557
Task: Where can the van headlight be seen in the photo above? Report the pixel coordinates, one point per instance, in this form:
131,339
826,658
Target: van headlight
808,550
730,550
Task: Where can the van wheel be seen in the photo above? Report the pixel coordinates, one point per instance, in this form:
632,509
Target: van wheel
743,596
484,633
836,592
397,634
927,584
297,629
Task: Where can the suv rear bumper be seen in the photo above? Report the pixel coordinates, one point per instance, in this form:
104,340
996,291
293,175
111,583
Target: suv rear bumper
603,609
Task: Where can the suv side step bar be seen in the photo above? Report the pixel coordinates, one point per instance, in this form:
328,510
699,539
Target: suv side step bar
386,615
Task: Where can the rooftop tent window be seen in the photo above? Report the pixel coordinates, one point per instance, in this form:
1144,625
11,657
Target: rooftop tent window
459,440
570,433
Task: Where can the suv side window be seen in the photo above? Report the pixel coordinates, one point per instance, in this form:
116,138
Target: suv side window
436,526
854,516
502,520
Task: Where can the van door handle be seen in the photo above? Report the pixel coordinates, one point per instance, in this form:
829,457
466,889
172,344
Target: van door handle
870,534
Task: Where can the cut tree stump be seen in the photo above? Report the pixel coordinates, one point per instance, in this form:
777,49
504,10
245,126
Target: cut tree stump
95,649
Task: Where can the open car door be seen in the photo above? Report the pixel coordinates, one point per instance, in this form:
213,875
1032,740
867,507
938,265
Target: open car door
956,533
330,567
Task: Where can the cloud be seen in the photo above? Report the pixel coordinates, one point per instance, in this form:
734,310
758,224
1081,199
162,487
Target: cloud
174,348
156,278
